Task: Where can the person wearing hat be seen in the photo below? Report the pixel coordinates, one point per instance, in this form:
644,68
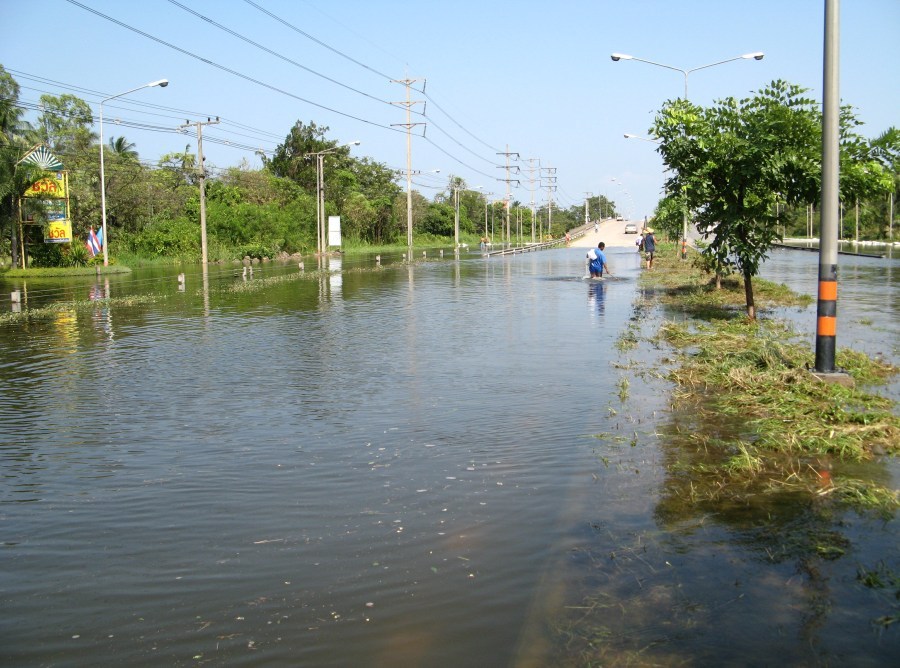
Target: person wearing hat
649,247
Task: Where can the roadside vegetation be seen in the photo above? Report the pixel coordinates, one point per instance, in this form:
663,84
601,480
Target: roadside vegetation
153,206
766,423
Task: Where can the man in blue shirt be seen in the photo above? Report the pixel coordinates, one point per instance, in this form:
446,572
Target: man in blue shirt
597,261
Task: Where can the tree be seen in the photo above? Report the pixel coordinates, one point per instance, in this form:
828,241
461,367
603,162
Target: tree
669,215
65,123
733,158
14,142
122,148
292,158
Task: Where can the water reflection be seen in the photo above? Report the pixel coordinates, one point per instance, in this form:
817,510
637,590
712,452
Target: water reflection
401,464
596,295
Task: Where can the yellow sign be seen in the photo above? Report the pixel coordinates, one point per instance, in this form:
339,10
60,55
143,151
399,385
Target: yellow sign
58,232
51,186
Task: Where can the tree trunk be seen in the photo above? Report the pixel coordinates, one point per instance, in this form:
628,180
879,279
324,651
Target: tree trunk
748,293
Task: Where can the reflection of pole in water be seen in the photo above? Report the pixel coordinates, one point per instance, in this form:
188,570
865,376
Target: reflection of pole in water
206,290
596,295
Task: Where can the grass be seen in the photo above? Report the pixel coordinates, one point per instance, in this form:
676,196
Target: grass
52,310
758,421
53,272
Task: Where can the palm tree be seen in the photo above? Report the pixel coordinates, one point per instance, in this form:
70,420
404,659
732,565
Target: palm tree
123,148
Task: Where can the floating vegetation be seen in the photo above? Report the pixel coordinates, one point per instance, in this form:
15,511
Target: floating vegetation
628,340
50,311
623,388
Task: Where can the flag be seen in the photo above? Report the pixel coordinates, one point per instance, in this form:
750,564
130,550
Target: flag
94,242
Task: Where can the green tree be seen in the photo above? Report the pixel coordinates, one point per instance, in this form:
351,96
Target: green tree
669,216
121,147
65,123
15,140
292,159
733,158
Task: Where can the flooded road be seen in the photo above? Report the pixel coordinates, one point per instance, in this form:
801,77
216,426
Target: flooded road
438,464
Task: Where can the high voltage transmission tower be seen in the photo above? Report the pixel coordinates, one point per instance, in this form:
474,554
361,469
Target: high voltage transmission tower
531,169
508,180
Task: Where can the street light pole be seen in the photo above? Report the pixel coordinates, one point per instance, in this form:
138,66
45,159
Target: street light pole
826,322
162,83
321,230
756,55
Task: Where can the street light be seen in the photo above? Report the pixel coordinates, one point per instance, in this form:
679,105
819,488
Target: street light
756,55
162,83
321,231
649,139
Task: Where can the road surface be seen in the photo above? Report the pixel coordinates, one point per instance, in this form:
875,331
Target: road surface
612,233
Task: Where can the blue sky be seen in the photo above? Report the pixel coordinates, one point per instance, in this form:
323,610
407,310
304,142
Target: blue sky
535,76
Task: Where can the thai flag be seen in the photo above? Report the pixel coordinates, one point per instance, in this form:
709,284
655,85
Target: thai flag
94,242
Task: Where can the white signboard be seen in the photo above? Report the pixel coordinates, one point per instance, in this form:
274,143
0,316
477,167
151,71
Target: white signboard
334,230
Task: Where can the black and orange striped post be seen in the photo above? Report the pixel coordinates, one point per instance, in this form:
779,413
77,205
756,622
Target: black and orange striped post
826,320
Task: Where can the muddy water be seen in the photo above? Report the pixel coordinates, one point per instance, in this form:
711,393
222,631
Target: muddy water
437,465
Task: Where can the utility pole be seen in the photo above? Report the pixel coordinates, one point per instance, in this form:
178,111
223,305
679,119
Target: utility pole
456,217
508,180
409,125
531,179
587,218
202,169
551,186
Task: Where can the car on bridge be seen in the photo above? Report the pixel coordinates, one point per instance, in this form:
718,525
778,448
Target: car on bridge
630,228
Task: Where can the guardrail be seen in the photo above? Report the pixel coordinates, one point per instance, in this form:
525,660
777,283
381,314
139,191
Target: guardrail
540,245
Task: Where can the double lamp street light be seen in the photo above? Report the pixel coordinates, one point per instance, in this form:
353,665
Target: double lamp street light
162,83
616,57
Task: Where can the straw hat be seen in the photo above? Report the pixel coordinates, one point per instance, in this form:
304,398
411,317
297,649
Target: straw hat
649,230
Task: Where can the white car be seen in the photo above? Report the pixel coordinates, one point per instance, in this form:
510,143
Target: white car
630,228
619,218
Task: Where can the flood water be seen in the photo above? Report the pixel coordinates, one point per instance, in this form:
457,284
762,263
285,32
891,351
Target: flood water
437,464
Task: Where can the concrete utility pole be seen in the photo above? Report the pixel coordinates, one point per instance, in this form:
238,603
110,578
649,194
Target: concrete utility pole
826,322
456,217
202,169
508,181
587,217
409,125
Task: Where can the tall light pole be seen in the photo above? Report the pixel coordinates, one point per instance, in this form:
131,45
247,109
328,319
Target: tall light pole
756,55
321,230
162,83
826,321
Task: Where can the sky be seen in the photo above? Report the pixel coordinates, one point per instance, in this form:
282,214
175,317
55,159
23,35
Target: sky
530,78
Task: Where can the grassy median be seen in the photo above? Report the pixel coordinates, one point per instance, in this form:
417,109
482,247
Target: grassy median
786,430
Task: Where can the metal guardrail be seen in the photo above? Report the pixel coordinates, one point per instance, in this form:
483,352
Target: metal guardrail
540,245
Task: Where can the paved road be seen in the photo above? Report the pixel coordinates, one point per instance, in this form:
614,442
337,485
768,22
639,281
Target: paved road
612,233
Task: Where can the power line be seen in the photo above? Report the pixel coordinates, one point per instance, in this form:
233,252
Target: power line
317,41
274,53
431,99
227,69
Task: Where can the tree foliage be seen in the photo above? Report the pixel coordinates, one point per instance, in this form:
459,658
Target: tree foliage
736,158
